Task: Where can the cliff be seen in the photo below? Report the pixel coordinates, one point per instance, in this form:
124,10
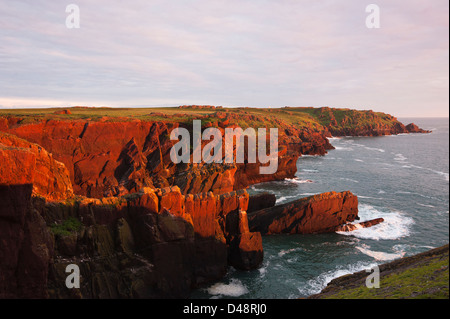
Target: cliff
154,243
347,122
22,162
112,152
151,244
97,188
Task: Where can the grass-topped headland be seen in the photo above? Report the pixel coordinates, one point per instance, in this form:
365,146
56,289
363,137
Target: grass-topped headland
337,120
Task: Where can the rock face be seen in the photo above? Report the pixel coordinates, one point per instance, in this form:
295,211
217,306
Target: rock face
352,227
152,244
261,201
24,162
315,214
115,158
26,247
126,247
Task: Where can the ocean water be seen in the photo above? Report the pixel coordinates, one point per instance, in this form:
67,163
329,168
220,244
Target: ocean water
403,179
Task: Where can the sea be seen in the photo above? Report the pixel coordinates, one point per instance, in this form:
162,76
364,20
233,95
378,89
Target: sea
401,178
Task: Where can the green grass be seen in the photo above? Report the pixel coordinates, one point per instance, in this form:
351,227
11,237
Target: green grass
427,281
311,117
67,227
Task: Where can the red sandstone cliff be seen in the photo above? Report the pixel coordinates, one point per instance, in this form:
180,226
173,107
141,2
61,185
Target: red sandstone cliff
115,158
22,162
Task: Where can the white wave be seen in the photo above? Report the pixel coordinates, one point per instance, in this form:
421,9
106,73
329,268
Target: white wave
379,255
288,251
368,197
340,148
381,191
309,170
308,194
298,180
234,289
359,160
309,156
283,199
425,205
400,158
316,285
375,149
349,179
429,169
263,269
334,138
443,174
396,224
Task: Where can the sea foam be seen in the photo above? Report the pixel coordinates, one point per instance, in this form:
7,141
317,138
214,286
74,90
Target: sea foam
234,289
316,285
396,224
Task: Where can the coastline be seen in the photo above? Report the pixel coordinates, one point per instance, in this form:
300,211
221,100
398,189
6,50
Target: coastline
140,155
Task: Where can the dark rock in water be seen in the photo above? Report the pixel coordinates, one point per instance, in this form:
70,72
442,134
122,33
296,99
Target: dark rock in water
246,251
315,214
413,128
367,224
261,201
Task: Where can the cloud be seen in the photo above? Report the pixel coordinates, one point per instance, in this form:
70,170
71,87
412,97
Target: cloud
247,52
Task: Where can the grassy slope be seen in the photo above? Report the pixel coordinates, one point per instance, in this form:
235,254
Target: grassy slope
424,276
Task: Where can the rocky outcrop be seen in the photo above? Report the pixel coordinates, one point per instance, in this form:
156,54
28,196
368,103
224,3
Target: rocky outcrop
159,240
352,227
149,244
315,214
24,162
413,128
347,122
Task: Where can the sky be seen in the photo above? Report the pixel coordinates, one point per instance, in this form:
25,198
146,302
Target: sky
254,53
